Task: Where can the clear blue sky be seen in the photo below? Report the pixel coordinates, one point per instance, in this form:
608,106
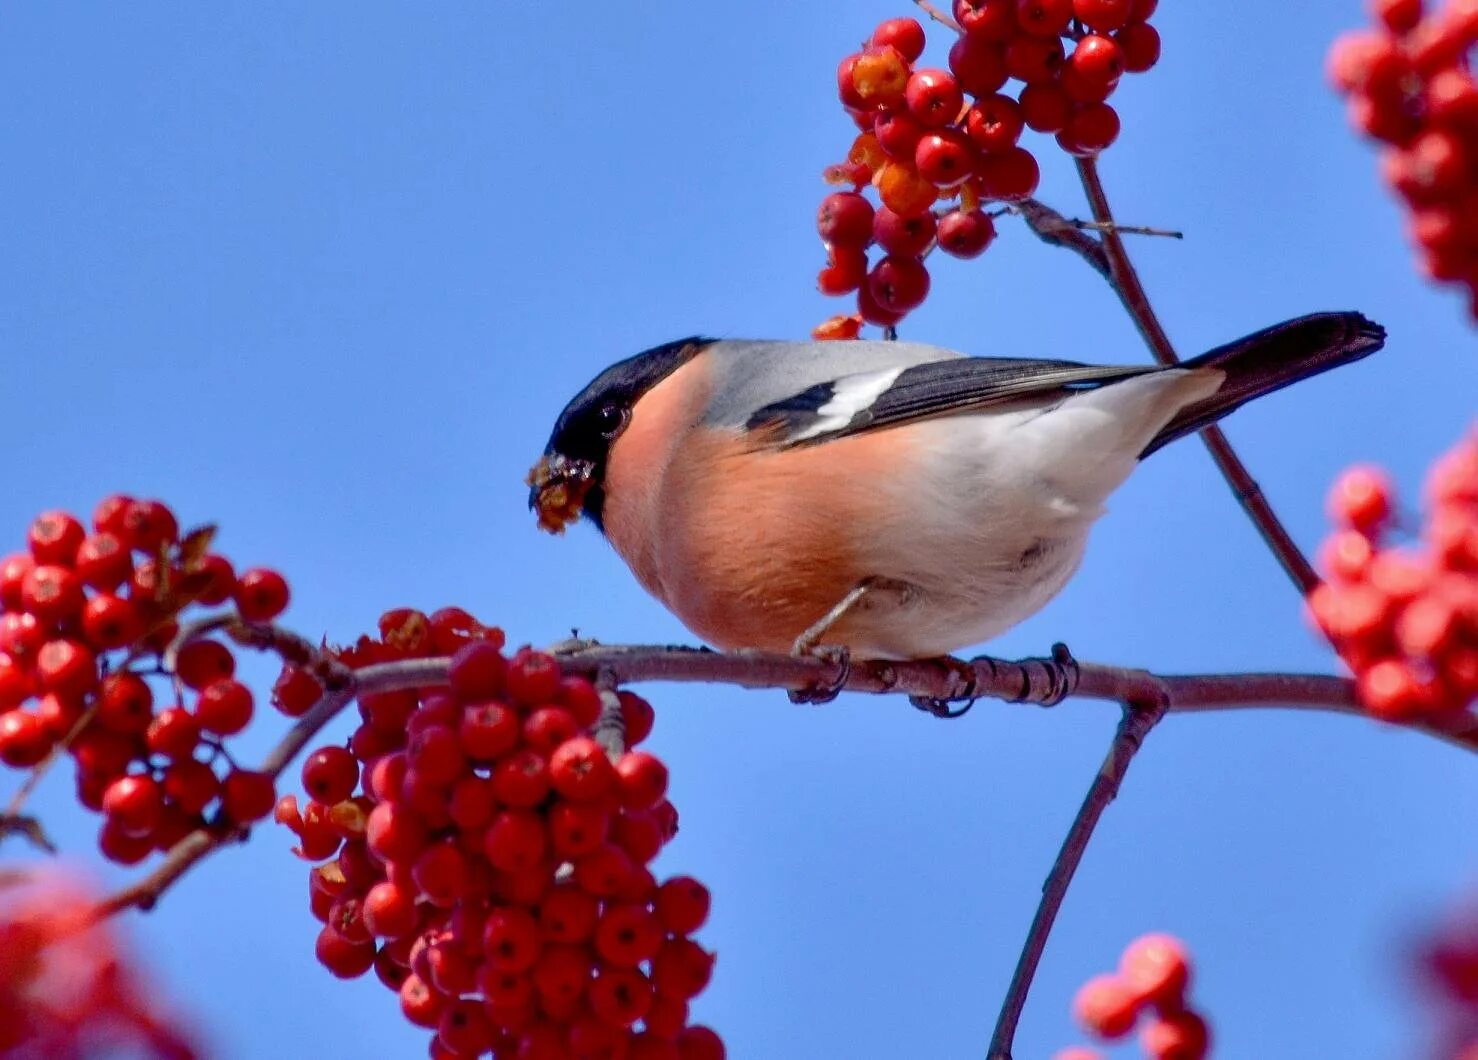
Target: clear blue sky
324,273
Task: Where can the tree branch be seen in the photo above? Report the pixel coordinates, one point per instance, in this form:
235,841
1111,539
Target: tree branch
1125,282
1139,718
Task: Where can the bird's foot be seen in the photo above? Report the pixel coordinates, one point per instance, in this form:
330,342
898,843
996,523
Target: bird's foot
823,691
962,695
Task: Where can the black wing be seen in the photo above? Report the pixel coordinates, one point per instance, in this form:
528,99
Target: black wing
938,388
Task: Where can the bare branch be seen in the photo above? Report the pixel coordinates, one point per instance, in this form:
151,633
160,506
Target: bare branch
938,15
1139,718
1125,282
1053,228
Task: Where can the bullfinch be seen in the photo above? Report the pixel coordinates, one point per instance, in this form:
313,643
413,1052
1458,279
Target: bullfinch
896,499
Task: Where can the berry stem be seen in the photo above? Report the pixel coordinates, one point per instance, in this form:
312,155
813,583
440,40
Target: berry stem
1131,292
1140,716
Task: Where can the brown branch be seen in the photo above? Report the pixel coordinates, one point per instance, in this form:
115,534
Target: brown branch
1139,718
1056,230
1125,282
938,15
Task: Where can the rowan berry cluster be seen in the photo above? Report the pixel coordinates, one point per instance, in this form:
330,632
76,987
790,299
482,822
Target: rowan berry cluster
85,621
1154,973
937,144
1410,86
1405,620
66,987
487,858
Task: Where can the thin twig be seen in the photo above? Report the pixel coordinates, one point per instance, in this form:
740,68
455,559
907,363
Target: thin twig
1126,230
1053,228
1138,720
1131,292
938,15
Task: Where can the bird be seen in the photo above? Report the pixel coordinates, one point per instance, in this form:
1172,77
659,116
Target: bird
890,499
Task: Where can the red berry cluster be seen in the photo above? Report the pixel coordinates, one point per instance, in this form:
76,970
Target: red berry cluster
84,618
66,987
1411,87
489,861
1405,620
952,136
1153,975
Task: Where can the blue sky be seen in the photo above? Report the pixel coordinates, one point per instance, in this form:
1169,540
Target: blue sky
325,273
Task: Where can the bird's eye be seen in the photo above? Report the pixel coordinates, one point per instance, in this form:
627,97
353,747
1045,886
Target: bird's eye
612,420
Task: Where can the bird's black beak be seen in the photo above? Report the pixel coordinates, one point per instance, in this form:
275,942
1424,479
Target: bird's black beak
557,488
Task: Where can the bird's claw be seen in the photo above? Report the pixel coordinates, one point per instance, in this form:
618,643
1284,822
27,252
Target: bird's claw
945,706
819,692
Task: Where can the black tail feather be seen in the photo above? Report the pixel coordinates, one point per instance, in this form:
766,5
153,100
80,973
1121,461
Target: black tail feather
1271,359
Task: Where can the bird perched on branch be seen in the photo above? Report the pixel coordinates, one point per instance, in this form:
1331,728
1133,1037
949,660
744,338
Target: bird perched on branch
896,499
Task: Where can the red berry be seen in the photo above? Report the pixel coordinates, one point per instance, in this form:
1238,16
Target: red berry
966,234
522,779
511,940
247,795
978,64
945,158
934,97
904,191
52,593
681,968
191,785
847,84
987,19
134,804
203,662
1045,107
580,770
124,703
442,873
1009,175
111,622
1393,691
13,571
1156,970
568,914
1175,1036
173,733
871,312
548,727
1140,44
1102,15
620,996
533,676
261,594
642,780
516,840
394,833
434,752
579,697
1106,1006
295,692
146,526
107,517
700,1043
66,668
102,562
908,236
218,580
638,716
682,905
1090,129
23,739
905,35
626,935
844,219
898,134
224,707
1044,18
1346,555
1399,16
846,269
118,846
1034,60
343,959
1096,59
54,538
330,775
577,828
898,284
487,730
1361,498
604,872
477,672
994,122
